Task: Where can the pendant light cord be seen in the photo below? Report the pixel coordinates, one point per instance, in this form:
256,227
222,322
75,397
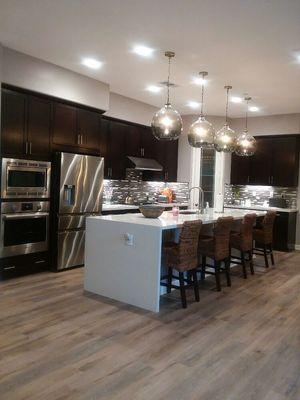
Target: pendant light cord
202,95
168,85
246,124
226,112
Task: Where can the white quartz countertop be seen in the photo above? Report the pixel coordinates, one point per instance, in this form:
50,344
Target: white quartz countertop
123,207
258,208
168,221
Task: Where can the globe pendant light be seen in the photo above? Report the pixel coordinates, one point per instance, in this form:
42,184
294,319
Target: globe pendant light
225,139
245,143
167,123
201,132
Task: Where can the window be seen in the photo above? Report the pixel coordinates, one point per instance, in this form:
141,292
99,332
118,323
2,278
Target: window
207,175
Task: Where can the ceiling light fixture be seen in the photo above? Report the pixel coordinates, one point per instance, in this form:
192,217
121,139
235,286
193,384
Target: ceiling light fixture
91,63
236,99
193,104
143,51
245,143
200,81
201,132
154,89
253,109
167,123
225,139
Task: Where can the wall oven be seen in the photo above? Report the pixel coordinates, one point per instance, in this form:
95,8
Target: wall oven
25,178
24,228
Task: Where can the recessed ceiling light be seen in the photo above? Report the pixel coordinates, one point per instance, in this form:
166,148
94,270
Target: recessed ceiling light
253,108
236,99
154,89
193,104
91,63
143,51
199,81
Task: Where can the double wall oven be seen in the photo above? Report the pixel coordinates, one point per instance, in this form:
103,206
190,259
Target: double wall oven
25,193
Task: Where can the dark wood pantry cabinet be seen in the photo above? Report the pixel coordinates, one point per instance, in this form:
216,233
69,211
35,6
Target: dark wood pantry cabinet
275,163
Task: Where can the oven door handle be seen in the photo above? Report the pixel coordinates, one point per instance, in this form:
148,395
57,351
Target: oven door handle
26,216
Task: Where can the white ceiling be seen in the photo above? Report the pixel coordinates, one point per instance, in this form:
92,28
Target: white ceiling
250,44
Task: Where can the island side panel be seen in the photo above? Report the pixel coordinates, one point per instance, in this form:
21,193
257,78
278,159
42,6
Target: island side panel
130,274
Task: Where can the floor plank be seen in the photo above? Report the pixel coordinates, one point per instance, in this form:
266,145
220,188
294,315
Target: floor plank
57,342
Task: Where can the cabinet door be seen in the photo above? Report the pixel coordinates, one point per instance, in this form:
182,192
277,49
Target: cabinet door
171,159
261,163
104,145
133,140
13,123
117,156
149,143
38,127
64,125
89,129
240,170
285,161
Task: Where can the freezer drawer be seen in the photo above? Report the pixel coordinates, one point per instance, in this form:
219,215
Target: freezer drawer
72,221
70,249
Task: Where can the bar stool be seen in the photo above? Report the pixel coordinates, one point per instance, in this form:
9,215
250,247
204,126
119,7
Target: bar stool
263,237
216,247
243,242
182,257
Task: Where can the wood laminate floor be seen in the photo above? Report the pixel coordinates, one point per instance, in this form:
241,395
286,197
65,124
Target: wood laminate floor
243,343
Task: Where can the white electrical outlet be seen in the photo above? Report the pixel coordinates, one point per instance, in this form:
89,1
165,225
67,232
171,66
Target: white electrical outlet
129,239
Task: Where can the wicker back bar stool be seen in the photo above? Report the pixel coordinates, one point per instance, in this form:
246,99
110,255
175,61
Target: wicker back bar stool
183,257
216,247
263,237
243,242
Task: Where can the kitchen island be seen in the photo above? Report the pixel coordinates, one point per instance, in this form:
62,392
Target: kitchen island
123,257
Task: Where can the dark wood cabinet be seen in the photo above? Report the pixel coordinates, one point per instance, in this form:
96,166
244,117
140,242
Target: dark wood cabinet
38,127
276,163
65,125
34,126
89,129
25,125
13,129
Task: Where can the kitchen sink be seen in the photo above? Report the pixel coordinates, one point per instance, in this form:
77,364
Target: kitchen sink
188,212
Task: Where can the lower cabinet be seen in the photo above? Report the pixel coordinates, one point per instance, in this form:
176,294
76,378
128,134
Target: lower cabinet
285,231
23,265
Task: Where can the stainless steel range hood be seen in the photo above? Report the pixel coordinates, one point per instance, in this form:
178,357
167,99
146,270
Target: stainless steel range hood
145,164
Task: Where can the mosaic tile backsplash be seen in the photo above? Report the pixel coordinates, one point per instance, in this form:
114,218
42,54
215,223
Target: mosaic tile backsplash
259,195
141,190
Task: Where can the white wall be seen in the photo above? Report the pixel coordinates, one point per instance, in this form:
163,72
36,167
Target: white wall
129,109
31,73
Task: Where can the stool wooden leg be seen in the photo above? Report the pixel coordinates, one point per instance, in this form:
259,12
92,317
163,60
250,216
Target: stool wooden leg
251,262
217,275
244,264
195,284
182,290
266,256
227,271
272,255
169,282
203,268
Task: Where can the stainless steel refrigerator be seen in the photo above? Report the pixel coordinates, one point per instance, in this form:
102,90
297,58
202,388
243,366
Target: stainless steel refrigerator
77,193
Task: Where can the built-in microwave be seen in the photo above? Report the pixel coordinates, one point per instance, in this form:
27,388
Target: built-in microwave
25,178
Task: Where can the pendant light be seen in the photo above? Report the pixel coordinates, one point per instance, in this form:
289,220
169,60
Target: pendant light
246,143
225,139
201,132
167,123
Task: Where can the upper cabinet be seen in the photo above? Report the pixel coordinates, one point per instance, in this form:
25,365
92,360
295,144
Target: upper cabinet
25,125
275,163
34,126
76,127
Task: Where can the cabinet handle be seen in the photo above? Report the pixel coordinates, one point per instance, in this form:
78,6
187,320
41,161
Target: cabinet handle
141,151
166,176
81,139
26,147
30,147
248,179
78,139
